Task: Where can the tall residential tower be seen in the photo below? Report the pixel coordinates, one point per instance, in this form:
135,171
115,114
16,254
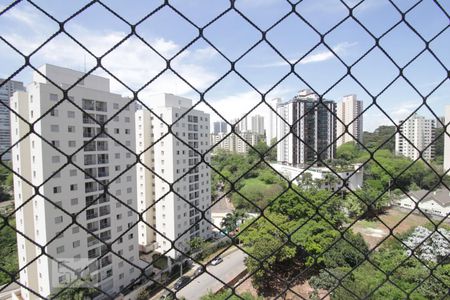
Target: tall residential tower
416,135
73,202
314,125
172,159
348,113
6,91
257,124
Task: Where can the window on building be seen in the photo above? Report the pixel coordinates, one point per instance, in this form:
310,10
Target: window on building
54,97
55,144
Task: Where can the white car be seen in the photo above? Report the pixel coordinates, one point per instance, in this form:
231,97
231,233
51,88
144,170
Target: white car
216,261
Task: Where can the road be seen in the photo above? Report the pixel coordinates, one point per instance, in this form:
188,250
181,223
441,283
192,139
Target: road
232,265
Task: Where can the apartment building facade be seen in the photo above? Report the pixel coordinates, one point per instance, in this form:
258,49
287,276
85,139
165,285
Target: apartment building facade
257,124
447,139
86,191
238,143
348,114
314,124
7,89
416,135
220,127
271,123
173,182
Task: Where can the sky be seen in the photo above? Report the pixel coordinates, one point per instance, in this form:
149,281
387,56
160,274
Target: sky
203,61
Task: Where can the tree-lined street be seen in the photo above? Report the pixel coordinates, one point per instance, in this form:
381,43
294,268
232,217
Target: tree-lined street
232,265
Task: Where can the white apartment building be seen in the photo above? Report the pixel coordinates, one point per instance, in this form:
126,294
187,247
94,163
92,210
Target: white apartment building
447,140
242,125
237,143
271,123
314,125
7,89
348,113
417,134
257,124
178,213
353,175
46,218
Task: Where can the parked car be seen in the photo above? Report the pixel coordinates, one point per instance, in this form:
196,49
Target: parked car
216,261
181,282
198,271
167,296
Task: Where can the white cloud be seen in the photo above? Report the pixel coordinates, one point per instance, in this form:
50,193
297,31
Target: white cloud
132,62
237,105
339,49
233,106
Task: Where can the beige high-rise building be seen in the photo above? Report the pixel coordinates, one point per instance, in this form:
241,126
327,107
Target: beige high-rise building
417,134
347,112
87,190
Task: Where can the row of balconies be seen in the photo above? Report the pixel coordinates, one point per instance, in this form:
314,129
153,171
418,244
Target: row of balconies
92,159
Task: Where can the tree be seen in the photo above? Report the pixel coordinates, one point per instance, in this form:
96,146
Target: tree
294,212
382,137
197,244
347,152
263,150
77,290
8,251
232,220
143,294
367,201
226,295
270,247
6,182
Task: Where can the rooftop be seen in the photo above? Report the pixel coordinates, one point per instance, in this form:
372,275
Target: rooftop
441,196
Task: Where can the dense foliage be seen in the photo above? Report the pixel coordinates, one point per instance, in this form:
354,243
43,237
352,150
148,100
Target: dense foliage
8,252
79,289
407,275
386,169
382,138
439,146
291,236
6,182
226,295
255,184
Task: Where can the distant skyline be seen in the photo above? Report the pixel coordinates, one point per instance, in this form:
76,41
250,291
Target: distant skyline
135,64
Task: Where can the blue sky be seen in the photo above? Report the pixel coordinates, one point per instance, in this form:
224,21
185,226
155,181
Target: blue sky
201,65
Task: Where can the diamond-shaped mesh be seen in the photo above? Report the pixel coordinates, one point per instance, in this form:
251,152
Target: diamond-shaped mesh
295,237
